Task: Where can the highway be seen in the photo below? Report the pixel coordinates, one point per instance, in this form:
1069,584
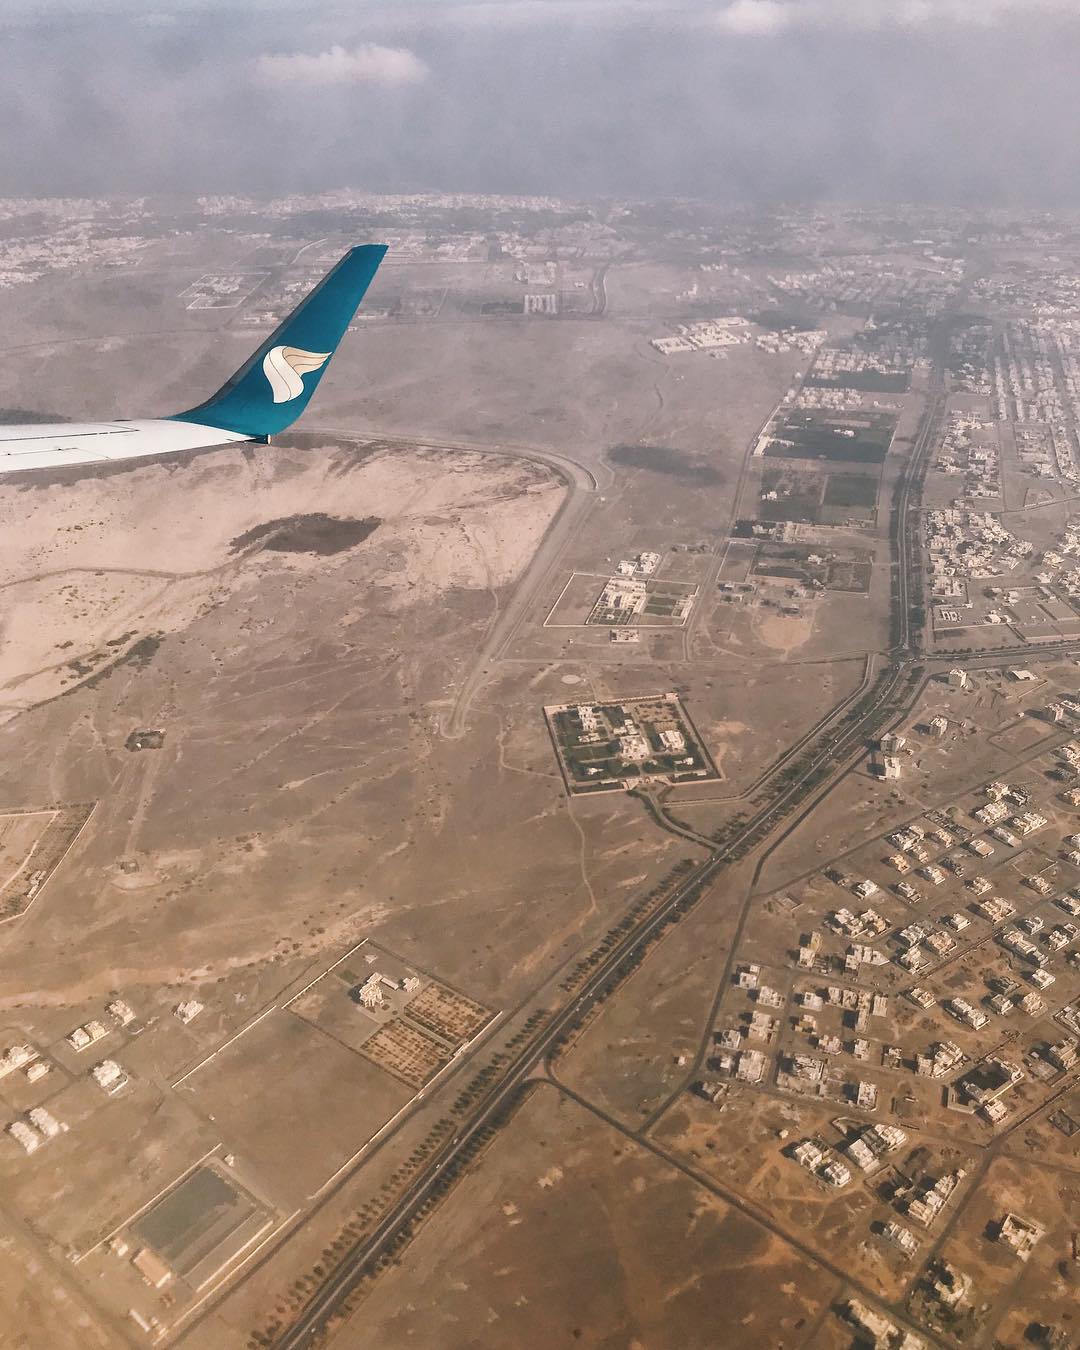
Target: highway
908,562
501,1095
835,756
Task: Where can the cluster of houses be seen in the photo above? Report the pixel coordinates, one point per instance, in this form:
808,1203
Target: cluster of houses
710,335
963,451
963,543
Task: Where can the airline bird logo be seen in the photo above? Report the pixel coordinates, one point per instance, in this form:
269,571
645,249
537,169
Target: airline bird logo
284,367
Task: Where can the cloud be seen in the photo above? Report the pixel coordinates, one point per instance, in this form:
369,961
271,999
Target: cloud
935,100
369,63
755,18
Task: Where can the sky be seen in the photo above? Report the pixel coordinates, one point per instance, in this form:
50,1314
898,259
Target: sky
944,101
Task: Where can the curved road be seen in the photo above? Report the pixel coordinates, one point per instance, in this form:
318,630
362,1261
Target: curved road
582,484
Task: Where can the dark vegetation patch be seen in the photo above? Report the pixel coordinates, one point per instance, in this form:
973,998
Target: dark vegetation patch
145,740
662,459
850,574
851,489
314,533
777,320
15,416
862,438
143,652
801,509
849,571
788,494
139,655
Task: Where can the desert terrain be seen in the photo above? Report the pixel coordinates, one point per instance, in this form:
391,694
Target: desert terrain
452,1000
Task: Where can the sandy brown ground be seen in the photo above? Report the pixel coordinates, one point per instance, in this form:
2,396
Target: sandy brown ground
627,1060
40,1306
306,796
84,564
569,1235
303,774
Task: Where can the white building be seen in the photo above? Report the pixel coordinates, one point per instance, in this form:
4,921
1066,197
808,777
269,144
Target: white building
46,1122
109,1076
634,748
24,1135
673,740
371,994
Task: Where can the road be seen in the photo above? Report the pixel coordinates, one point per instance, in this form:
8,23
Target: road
739,1202
797,747
501,1095
834,759
582,483
534,1052
506,621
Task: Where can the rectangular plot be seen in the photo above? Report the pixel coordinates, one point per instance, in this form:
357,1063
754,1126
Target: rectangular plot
855,451
448,1013
222,290
405,1051
42,852
295,1103
802,508
862,438
201,1224
850,575
851,490
19,836
599,749
738,560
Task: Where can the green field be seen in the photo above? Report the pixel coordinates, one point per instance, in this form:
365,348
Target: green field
851,489
860,438
798,496
865,381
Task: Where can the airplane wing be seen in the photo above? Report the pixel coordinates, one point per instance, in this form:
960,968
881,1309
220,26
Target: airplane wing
266,395
55,445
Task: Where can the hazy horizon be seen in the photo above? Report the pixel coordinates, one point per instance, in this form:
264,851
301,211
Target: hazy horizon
956,102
